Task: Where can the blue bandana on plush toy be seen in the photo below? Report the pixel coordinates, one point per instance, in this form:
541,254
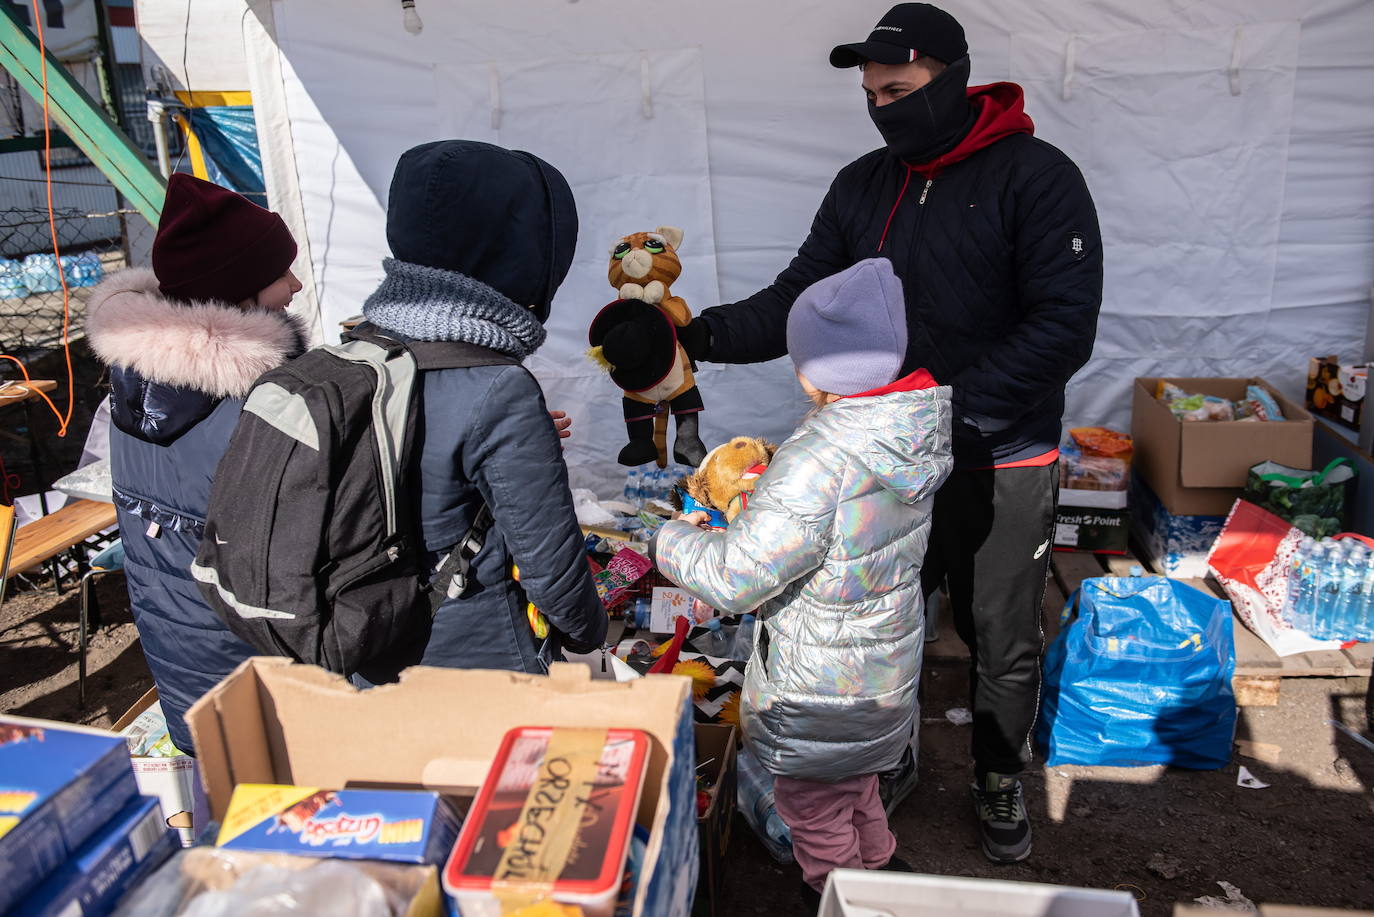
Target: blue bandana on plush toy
723,484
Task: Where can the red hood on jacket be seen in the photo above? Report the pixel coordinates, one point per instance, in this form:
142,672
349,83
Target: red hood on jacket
918,381
1001,113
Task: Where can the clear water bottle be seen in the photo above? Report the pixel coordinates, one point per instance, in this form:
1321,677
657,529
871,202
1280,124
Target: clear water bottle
633,479
643,612
1290,611
1364,623
715,642
1310,557
754,796
653,478
743,647
1329,591
1348,606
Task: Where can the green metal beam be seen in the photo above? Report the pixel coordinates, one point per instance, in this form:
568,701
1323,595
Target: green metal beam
81,117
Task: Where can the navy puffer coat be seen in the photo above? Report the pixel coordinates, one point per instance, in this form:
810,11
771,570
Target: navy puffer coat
178,373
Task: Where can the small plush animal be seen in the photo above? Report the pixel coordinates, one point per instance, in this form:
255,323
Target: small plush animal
639,347
727,476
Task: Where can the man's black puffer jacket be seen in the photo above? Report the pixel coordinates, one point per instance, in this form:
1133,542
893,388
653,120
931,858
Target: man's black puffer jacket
1001,259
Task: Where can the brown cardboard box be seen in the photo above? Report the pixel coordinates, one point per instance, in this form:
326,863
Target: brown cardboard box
174,781
1199,468
716,748
273,721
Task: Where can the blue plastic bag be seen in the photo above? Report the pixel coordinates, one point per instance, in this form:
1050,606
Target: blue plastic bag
1142,675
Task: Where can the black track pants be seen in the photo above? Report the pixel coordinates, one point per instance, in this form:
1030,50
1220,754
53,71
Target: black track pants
991,540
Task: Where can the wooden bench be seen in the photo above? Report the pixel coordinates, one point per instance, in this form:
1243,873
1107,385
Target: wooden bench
54,534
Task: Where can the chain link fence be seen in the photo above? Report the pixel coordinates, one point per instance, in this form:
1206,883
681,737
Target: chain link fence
94,244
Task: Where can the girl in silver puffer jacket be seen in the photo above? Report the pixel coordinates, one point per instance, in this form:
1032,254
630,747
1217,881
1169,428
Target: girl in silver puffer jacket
829,551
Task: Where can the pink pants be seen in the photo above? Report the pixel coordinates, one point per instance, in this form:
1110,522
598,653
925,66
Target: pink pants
835,825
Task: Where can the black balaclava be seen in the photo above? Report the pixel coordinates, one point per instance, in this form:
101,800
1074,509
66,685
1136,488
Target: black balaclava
924,125
504,217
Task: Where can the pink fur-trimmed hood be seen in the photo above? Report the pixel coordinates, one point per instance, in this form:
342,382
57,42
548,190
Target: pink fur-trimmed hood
213,347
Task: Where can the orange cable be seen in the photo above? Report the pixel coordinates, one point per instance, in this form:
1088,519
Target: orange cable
63,420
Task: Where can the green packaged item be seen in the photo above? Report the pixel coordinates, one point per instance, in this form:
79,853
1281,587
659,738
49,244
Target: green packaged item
1312,501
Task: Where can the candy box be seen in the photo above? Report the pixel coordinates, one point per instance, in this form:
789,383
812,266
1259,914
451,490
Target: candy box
273,721
58,784
134,843
402,826
557,810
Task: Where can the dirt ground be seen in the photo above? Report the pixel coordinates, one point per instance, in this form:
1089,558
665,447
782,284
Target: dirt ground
1167,835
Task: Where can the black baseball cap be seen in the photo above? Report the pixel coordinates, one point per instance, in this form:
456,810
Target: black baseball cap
907,32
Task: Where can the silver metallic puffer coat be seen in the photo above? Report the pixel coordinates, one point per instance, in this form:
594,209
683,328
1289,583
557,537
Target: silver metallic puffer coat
829,552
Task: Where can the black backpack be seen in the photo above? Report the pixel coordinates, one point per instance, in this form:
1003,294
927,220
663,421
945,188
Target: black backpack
311,548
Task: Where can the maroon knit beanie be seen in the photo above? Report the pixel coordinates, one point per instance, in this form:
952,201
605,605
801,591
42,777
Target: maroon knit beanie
213,244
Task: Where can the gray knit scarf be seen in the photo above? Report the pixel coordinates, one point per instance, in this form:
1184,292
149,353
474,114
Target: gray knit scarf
429,304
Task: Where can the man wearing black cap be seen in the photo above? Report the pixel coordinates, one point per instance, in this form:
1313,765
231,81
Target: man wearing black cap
995,238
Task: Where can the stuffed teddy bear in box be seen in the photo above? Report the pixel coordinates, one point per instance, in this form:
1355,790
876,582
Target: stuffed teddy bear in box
635,338
725,480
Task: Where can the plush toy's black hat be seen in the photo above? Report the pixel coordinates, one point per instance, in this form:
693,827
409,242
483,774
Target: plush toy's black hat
637,340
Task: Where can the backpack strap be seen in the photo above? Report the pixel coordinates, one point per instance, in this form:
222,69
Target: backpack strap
433,354
456,355
451,580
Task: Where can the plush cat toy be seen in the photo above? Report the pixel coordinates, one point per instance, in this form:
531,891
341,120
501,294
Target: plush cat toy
724,482
635,338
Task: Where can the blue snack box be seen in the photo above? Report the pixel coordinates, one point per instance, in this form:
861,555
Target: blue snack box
134,843
59,784
401,826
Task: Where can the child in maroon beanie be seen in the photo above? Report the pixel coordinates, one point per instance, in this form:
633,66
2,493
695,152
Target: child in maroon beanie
184,343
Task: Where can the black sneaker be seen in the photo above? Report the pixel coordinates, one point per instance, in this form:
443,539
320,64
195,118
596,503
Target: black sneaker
1003,827
895,786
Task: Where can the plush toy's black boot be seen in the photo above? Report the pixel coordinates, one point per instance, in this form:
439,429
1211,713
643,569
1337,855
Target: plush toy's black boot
688,448
640,450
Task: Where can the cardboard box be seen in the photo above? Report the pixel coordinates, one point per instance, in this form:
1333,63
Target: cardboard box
174,781
1175,545
716,750
59,784
402,826
861,892
1199,468
1337,391
134,843
273,721
1092,520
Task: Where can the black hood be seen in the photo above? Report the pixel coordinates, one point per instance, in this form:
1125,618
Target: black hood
503,217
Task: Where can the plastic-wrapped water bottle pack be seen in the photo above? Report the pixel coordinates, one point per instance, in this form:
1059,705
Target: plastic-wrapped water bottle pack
1331,589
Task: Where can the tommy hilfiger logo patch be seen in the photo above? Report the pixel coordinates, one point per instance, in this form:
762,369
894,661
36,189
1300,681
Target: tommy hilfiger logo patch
1077,246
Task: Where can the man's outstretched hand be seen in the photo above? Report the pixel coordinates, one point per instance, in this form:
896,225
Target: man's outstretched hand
562,423
695,338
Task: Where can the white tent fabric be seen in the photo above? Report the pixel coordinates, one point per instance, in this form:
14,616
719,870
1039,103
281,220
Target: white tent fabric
1229,145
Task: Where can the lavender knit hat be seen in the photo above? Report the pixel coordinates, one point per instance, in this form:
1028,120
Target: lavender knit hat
847,332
